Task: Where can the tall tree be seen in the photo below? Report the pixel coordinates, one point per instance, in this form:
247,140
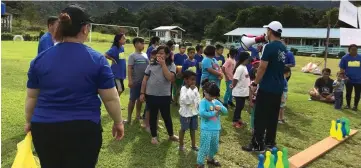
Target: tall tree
218,28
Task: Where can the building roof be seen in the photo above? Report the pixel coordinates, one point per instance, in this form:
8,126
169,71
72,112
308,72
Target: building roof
318,33
168,28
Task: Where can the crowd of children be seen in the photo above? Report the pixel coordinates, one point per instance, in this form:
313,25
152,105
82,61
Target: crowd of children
159,77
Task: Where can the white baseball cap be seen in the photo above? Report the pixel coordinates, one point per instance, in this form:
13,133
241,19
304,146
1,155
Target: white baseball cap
275,26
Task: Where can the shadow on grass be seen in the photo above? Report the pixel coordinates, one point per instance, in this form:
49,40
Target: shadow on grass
9,149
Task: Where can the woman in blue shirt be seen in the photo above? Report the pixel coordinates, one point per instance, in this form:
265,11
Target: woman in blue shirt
350,64
62,105
118,62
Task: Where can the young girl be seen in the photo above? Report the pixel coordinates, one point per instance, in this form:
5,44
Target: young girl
228,68
210,67
240,87
210,110
189,101
156,89
115,54
153,44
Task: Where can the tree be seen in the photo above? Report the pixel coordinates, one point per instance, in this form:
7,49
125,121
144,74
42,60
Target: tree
218,28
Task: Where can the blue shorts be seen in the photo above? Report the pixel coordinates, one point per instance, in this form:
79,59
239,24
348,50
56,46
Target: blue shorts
135,92
189,123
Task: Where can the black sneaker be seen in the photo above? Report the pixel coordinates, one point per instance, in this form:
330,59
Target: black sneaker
251,148
354,109
270,146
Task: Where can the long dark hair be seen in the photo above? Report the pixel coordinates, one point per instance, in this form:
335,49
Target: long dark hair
116,40
232,53
168,60
243,56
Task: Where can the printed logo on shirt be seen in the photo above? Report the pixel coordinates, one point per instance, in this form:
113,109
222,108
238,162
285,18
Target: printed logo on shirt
325,90
215,66
281,56
220,63
121,55
211,108
353,64
192,68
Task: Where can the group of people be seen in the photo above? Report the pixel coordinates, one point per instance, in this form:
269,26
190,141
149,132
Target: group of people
331,91
66,82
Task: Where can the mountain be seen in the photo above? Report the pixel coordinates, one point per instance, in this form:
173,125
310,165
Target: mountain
97,8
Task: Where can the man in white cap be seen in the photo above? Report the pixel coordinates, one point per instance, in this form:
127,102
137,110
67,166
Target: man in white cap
271,84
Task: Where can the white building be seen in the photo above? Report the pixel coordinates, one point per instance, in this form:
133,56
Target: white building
166,33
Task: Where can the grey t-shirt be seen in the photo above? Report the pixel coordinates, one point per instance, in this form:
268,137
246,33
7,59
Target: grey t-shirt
157,84
139,61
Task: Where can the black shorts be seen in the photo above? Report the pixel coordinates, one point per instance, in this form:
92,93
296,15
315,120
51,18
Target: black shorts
119,84
189,123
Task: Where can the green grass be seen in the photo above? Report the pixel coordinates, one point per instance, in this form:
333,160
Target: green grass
307,123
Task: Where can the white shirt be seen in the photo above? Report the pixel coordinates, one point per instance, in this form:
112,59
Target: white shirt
189,101
242,87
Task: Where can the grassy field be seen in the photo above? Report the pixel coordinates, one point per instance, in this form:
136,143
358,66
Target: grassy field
307,123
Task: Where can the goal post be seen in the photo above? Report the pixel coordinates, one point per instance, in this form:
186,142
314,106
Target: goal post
134,29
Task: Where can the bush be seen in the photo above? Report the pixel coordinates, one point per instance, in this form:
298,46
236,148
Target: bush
35,28
28,37
294,51
128,41
341,54
7,36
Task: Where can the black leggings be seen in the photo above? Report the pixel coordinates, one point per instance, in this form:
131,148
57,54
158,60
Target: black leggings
71,144
162,104
349,88
239,107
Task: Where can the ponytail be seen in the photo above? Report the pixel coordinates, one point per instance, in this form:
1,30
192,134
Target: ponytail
66,28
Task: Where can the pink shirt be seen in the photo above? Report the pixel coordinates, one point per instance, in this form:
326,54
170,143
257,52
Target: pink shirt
229,67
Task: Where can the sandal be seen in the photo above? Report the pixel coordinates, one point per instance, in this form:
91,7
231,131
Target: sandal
195,148
174,138
155,141
214,163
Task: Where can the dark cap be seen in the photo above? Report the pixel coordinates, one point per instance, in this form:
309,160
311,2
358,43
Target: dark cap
77,15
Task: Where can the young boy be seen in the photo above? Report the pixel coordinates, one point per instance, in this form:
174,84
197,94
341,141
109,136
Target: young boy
179,59
199,59
189,101
190,63
338,86
219,55
137,63
286,74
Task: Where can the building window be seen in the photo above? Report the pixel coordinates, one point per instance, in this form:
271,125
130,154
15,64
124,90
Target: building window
161,34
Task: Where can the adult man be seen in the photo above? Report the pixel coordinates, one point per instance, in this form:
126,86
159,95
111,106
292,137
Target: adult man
271,83
46,41
290,60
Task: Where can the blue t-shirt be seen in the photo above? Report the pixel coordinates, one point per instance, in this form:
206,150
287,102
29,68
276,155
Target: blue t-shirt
210,121
199,59
290,58
149,50
68,76
190,65
220,60
254,53
273,79
352,67
209,63
285,88
119,69
45,42
179,59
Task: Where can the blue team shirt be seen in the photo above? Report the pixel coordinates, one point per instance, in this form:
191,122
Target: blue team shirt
210,121
273,79
45,42
199,59
352,67
68,76
149,50
209,63
190,65
290,58
220,60
254,53
179,59
119,69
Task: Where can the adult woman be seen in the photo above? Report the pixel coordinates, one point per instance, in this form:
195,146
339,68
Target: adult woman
350,64
62,103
